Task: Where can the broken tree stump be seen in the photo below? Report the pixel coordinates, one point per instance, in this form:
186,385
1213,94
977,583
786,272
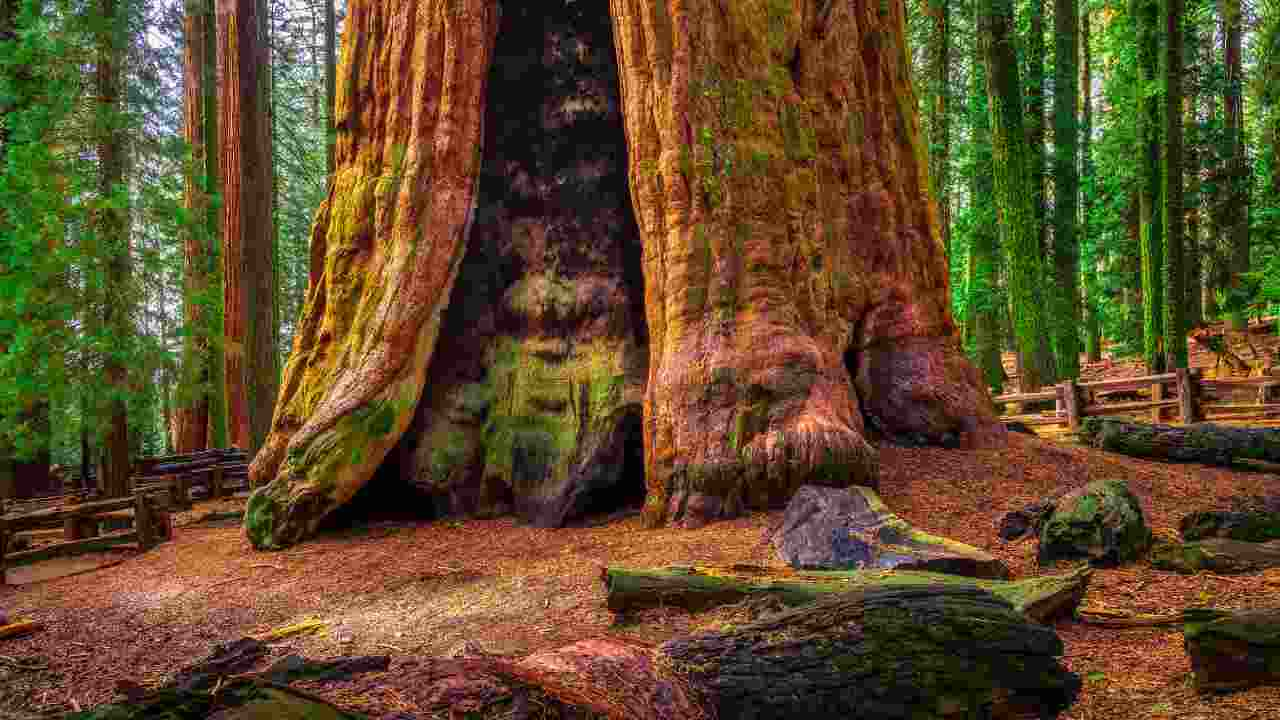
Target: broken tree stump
1233,650
1202,443
893,653
700,588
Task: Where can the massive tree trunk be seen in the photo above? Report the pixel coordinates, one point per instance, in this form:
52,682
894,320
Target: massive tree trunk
248,259
794,280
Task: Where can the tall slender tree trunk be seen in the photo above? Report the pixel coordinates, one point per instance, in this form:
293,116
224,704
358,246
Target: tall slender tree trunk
1036,133
1066,183
1014,162
330,80
248,254
113,230
940,116
1236,207
1192,245
772,345
1092,259
1146,14
191,416
1175,323
986,301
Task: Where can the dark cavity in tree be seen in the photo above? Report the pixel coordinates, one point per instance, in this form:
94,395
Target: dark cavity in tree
552,202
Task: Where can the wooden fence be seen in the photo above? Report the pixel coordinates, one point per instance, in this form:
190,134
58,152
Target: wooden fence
82,526
1185,394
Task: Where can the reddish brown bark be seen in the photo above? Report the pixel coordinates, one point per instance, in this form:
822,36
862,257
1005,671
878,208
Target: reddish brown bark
247,249
795,282
393,231
191,416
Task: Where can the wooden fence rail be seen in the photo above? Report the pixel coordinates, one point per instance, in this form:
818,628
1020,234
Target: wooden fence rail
81,526
1193,397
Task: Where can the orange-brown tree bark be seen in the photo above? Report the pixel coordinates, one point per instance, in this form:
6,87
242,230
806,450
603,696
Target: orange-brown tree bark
244,142
191,414
795,283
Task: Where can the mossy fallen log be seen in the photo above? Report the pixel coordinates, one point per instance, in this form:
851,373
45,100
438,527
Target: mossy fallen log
698,588
1201,443
923,652
1233,650
1217,555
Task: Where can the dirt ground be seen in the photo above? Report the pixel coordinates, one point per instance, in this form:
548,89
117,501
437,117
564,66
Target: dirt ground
411,590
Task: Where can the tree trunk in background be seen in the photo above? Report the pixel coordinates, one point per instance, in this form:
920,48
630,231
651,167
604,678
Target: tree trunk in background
1014,163
1091,260
1236,207
1175,323
248,262
1192,245
330,81
940,119
1066,183
1146,14
986,301
191,416
769,343
1036,133
113,233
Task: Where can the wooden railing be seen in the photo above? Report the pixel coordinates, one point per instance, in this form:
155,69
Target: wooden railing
1193,397
81,525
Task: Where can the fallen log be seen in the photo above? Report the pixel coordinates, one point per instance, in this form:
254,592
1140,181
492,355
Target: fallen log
1233,650
1216,555
699,588
1202,443
890,653
19,628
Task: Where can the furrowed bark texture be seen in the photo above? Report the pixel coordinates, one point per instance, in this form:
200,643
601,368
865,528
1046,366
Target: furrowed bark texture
409,116
191,416
1066,189
1147,17
247,227
1014,163
1171,187
795,286
795,282
986,299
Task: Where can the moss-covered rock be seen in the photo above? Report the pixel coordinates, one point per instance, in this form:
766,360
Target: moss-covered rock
1233,650
1217,555
851,528
1101,522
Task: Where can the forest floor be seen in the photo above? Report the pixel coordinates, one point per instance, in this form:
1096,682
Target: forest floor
412,590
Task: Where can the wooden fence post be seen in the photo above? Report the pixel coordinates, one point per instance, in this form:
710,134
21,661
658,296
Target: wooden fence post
1157,394
215,482
1186,396
184,491
143,521
1071,400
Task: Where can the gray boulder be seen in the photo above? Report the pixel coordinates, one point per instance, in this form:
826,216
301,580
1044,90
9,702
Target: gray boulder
844,529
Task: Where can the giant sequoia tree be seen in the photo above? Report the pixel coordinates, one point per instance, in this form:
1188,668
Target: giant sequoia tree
794,282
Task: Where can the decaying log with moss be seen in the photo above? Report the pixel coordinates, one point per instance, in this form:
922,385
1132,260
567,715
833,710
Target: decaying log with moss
1217,555
697,588
1233,650
1201,443
927,652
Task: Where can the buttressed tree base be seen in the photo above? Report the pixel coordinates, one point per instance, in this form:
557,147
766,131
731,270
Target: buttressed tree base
499,320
